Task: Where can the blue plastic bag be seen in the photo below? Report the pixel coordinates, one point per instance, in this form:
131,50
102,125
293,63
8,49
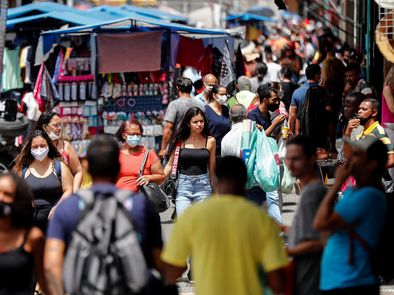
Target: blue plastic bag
266,170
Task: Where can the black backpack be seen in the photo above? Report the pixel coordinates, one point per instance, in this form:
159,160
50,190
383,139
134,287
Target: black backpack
382,257
313,116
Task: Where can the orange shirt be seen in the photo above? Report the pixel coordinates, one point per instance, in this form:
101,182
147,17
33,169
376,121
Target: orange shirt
130,166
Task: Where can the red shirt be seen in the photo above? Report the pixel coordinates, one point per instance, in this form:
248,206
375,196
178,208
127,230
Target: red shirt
130,166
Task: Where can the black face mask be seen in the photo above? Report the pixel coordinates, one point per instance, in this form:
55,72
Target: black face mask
5,209
273,107
363,121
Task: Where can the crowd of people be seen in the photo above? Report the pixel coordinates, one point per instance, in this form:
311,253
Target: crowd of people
309,103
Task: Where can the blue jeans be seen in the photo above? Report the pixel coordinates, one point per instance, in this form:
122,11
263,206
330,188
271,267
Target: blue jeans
270,199
273,206
191,189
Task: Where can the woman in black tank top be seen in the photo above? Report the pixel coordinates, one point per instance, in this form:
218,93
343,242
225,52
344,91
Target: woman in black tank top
196,162
21,245
39,163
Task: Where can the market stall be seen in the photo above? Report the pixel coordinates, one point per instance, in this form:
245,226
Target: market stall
115,70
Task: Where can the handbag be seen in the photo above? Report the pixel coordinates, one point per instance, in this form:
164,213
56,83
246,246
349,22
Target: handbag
152,191
171,184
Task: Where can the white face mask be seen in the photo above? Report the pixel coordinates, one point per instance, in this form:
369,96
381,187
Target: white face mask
40,153
208,88
221,99
53,136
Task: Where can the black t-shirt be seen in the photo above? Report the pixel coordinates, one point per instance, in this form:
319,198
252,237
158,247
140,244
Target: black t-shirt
288,89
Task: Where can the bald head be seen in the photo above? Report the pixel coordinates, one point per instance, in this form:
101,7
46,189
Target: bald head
238,113
210,79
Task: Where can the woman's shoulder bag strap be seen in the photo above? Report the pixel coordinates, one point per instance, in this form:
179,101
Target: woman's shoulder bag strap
141,172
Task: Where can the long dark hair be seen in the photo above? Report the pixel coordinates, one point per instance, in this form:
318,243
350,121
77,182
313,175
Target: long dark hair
22,208
44,120
25,158
183,131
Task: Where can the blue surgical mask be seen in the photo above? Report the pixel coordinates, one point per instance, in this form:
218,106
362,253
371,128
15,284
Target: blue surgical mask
133,140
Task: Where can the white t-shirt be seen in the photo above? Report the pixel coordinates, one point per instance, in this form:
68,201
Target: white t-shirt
273,72
245,97
231,142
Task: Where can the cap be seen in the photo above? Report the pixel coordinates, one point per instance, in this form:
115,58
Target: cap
363,144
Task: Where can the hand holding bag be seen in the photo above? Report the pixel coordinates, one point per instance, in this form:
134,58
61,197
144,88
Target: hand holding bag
170,185
152,191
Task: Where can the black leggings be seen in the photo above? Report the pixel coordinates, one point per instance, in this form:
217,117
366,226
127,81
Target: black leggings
360,290
41,216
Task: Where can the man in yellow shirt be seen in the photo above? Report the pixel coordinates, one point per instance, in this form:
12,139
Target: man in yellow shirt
229,240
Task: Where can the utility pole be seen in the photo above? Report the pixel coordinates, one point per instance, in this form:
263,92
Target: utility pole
3,26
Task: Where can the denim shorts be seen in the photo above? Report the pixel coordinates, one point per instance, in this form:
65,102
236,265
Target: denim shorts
191,189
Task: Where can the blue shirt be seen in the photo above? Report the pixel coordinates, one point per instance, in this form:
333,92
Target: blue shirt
146,220
365,208
257,116
299,94
219,125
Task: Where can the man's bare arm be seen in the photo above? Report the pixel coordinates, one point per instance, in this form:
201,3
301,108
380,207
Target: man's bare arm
167,134
53,266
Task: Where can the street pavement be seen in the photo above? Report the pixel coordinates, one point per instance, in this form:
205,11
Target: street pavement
290,203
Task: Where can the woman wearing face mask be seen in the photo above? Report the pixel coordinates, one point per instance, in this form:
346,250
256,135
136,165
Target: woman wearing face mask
131,157
196,161
51,123
218,115
21,244
40,164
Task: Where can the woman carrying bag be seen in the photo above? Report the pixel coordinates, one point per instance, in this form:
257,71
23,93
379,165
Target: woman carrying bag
132,156
195,151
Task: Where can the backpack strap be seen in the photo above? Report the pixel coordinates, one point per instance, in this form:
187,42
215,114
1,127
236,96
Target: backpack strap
141,172
122,195
87,196
354,236
24,170
58,170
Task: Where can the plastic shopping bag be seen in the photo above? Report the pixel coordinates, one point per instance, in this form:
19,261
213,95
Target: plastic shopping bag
266,171
287,183
248,154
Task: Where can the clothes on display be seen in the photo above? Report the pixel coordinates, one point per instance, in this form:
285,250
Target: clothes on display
11,78
144,46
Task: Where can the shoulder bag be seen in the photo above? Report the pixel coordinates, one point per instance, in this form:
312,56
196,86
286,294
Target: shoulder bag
171,184
152,191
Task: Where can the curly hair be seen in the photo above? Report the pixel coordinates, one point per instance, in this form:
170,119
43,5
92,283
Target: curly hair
124,125
25,158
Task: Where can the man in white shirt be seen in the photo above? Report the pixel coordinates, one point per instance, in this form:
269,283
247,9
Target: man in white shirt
273,69
231,146
231,142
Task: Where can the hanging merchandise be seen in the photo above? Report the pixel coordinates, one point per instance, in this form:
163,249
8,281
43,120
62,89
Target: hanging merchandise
45,91
144,46
11,77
